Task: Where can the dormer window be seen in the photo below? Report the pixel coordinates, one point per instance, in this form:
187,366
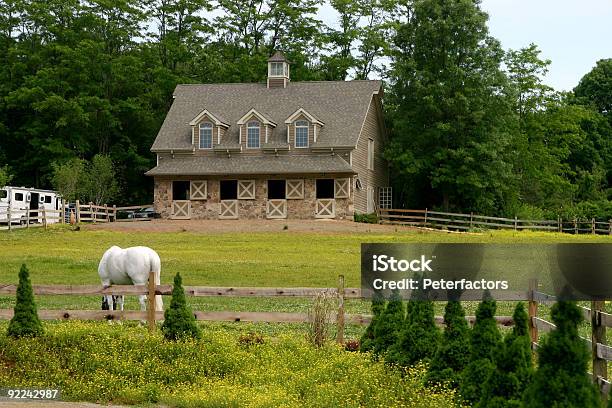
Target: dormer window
253,135
301,133
206,135
278,71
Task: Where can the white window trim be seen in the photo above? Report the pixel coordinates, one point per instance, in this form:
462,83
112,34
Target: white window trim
283,73
258,127
295,126
371,154
212,131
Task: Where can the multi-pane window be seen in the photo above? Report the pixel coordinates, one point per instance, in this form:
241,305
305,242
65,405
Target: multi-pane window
205,135
276,69
253,135
301,133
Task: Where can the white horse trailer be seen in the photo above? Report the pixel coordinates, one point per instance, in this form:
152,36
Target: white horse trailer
22,199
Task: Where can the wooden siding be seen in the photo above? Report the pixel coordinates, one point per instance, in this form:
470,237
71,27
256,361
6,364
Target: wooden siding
196,135
310,134
379,177
262,135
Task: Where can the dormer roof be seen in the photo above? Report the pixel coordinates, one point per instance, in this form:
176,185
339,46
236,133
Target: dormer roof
214,118
263,118
302,111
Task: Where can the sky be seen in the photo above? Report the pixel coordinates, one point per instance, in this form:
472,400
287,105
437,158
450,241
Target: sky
573,34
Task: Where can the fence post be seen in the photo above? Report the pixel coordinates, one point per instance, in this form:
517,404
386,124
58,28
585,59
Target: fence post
77,209
340,317
425,222
560,223
575,226
533,310
592,225
91,213
609,227
471,219
515,222
114,212
598,335
151,302
9,221
44,211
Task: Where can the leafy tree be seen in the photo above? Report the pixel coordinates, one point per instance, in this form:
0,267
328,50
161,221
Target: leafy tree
451,136
595,88
389,323
419,336
561,378
179,321
378,306
25,321
453,352
101,185
513,366
5,176
68,179
485,340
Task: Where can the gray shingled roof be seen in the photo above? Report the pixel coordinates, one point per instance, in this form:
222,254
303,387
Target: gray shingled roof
341,105
248,164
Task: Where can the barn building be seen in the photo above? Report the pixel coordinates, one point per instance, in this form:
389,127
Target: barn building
278,149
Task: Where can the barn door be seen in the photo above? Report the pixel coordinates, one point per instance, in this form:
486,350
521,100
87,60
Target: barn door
370,198
276,208
325,208
228,210
181,209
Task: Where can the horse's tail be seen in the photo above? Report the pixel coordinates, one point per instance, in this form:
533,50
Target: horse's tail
156,269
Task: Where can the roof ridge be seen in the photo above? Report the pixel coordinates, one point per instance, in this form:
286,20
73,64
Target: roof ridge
291,82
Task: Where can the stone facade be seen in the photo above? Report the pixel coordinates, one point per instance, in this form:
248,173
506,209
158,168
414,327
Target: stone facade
247,209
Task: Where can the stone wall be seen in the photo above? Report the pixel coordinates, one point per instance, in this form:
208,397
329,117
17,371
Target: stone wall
247,209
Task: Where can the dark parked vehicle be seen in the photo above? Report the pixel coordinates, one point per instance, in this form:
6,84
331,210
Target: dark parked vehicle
148,212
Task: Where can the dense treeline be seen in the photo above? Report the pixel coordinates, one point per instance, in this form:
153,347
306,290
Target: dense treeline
473,127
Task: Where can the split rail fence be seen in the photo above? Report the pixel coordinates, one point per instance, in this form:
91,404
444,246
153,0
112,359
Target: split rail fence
598,318
89,212
464,222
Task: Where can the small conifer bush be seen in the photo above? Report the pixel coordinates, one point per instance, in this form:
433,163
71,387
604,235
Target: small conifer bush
367,340
386,330
453,352
25,321
179,321
513,366
561,379
485,339
419,336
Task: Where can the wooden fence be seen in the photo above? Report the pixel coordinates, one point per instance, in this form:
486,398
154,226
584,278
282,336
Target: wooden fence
463,222
600,320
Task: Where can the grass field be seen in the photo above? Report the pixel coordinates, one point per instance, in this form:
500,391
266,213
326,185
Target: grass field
60,255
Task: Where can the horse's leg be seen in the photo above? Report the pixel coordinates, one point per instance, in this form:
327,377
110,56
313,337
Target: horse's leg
121,302
143,302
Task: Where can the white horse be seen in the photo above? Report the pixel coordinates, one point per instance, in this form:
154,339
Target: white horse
130,266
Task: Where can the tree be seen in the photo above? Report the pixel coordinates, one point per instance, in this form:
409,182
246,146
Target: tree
419,336
378,306
389,324
513,366
485,340
561,378
595,88
453,352
25,321
101,183
179,321
68,179
451,132
5,176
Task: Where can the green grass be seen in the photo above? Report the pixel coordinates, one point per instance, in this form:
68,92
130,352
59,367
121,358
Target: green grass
284,259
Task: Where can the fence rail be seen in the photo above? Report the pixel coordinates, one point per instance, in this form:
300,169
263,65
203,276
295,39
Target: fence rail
464,222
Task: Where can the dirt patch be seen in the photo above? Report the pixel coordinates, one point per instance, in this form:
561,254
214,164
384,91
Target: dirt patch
234,226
